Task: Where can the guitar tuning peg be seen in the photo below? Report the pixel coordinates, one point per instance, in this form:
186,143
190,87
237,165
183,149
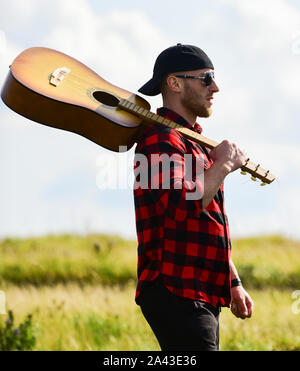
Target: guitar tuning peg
263,184
253,178
243,172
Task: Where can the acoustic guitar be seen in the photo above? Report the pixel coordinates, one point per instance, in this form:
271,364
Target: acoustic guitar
54,89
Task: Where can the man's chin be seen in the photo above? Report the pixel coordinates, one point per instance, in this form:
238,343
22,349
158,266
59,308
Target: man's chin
205,112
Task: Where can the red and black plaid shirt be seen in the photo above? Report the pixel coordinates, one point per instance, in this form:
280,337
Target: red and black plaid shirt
187,246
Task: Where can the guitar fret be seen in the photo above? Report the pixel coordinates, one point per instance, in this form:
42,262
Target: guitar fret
149,115
127,103
144,112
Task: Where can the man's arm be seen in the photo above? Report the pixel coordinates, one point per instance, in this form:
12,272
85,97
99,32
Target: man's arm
227,157
242,305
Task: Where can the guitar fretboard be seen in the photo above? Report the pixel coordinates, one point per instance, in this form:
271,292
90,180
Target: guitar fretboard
153,118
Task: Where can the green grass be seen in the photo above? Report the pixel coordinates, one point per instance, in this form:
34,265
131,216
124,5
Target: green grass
62,259
80,292
67,317
93,317
273,325
270,261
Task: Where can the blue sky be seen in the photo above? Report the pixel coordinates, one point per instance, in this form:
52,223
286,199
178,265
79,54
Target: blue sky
51,179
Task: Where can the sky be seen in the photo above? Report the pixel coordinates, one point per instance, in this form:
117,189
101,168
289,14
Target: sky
53,181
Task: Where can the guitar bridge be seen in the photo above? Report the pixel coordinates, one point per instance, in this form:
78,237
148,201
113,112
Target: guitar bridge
58,75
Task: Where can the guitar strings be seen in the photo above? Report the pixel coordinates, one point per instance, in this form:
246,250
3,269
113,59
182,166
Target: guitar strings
79,80
75,87
78,86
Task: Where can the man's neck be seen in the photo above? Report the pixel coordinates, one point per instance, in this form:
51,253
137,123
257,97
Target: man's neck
188,116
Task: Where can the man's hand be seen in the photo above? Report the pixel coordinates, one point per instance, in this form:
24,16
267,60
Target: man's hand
242,305
228,156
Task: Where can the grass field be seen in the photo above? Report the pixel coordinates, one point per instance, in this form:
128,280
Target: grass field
80,292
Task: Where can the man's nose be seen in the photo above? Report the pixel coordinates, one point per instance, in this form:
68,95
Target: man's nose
214,87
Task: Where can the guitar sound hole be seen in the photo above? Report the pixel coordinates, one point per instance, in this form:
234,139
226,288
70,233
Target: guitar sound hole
106,98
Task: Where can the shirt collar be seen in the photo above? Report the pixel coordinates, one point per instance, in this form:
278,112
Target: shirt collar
173,116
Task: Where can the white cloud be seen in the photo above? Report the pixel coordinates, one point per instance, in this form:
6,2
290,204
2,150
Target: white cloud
272,211
256,70
16,14
2,42
276,15
267,37
8,54
115,45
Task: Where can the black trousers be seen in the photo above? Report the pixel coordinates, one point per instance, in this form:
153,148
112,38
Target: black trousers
180,323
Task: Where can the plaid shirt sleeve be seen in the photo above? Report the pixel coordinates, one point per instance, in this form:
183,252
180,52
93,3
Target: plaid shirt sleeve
169,188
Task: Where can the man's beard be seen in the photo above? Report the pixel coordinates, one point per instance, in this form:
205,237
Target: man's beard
190,102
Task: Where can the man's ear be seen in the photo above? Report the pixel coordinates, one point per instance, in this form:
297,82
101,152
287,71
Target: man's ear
174,83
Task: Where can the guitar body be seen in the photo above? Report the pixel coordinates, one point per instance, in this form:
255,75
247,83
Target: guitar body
54,89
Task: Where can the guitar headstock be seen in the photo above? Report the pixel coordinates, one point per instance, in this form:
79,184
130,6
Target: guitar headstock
257,172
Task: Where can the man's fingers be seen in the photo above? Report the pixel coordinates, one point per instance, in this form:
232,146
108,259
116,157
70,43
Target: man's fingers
250,307
242,305
239,310
242,308
235,310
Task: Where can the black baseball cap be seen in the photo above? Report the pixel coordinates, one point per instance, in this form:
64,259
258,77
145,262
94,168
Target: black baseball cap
176,58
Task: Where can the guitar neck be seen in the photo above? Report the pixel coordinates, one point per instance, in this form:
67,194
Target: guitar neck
151,118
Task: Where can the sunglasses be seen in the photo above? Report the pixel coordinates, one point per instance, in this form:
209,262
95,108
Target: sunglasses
207,78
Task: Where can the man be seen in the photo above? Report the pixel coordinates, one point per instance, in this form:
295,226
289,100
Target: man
185,271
